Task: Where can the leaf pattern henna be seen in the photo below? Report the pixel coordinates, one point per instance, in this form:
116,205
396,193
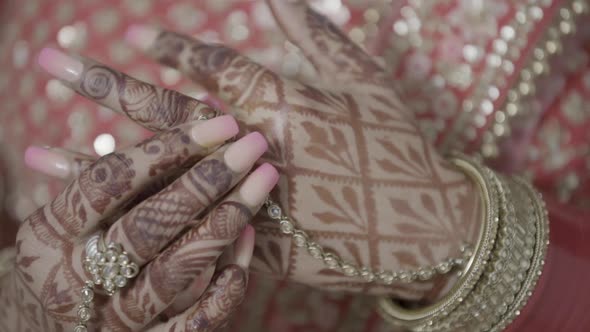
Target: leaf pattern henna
355,164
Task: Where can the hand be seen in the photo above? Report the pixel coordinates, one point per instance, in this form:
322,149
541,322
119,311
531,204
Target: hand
175,235
357,173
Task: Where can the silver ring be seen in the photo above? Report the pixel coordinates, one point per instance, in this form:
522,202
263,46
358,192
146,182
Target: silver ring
108,264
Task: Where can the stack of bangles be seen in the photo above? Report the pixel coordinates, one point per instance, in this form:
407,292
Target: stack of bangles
497,280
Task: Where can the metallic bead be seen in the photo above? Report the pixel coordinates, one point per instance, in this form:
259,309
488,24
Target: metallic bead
120,281
349,270
406,277
299,238
425,273
386,277
315,250
444,267
367,274
87,294
274,211
286,226
80,328
84,313
331,261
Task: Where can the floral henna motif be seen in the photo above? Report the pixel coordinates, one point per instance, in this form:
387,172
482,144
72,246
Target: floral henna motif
106,180
98,81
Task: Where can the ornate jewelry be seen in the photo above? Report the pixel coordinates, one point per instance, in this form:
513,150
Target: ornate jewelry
333,261
503,271
110,267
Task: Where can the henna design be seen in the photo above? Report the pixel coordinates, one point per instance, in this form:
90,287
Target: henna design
355,147
165,146
154,107
219,302
200,247
156,221
213,173
106,180
98,81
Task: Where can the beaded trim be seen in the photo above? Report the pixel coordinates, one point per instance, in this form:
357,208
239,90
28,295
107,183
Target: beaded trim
302,240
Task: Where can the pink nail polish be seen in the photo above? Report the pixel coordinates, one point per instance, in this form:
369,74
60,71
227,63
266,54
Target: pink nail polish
47,162
141,36
215,131
241,155
244,247
258,184
60,64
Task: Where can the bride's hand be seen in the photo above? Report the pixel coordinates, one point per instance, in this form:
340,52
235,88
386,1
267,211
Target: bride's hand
174,235
357,175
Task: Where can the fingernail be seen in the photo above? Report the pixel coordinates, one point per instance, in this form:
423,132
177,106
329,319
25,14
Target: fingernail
241,155
258,184
244,247
60,64
141,36
47,162
215,131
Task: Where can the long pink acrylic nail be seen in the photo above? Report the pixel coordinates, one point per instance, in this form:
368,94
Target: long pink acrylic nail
47,162
244,247
258,184
60,64
241,155
141,36
215,131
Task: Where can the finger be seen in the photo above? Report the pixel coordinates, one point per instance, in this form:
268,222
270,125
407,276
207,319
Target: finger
240,253
155,222
215,307
223,71
166,277
334,56
57,162
116,178
151,106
